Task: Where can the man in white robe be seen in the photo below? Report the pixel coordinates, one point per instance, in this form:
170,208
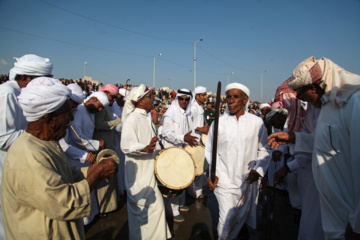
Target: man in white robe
242,157
38,182
334,144
12,120
116,111
177,129
197,113
146,211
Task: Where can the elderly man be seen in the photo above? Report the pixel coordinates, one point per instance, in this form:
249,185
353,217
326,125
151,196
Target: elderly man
12,120
334,144
38,182
197,113
176,131
146,210
105,125
242,158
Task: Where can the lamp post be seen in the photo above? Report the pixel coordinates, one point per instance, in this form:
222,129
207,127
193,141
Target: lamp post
170,78
200,40
229,77
154,69
261,86
84,69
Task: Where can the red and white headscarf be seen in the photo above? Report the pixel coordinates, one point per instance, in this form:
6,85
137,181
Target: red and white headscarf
111,88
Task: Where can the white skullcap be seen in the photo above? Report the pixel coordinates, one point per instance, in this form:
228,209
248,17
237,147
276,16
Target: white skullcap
101,96
123,92
264,105
238,86
76,92
31,65
199,90
42,95
132,98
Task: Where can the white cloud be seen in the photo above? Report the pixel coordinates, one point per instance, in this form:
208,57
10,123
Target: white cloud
3,62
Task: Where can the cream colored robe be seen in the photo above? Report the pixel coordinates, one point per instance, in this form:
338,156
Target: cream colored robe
145,204
42,196
106,191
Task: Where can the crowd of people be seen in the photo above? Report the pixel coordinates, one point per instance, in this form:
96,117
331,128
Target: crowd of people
69,150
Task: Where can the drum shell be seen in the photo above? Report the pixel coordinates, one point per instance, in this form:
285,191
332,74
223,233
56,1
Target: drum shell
198,154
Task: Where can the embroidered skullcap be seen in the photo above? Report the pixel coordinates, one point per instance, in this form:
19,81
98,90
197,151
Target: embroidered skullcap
111,88
199,90
239,86
42,95
32,65
76,92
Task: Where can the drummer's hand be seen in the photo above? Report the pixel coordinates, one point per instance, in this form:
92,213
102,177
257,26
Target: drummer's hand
152,145
102,144
204,129
108,168
191,140
253,176
279,176
211,184
91,157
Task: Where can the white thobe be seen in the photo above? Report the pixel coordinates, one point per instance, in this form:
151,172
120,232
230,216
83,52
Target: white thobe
116,112
242,146
12,124
197,113
173,135
146,213
335,164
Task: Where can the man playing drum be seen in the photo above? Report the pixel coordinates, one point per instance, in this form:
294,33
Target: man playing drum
177,128
242,157
197,113
146,212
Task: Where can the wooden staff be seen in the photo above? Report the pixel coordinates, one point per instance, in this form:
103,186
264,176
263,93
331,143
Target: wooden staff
215,136
242,199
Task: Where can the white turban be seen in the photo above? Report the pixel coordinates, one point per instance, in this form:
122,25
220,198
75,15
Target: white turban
42,95
132,98
76,92
265,105
199,90
123,92
241,87
31,65
101,96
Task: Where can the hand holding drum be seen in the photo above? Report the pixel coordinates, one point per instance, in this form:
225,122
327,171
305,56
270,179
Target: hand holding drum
152,145
108,167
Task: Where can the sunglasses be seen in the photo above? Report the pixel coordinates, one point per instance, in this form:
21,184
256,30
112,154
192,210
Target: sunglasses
184,99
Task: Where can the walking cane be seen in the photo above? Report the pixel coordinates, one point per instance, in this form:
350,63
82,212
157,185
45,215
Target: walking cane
216,126
233,221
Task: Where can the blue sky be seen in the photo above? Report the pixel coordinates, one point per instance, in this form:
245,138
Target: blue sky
116,37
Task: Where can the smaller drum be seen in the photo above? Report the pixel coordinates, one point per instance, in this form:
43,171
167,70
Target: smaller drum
174,170
198,154
107,153
203,139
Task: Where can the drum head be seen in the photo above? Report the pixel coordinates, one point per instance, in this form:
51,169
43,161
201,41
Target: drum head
107,153
198,154
174,168
203,138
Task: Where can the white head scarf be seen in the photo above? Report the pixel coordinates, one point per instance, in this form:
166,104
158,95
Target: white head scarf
31,65
42,95
175,111
76,92
241,87
338,84
132,98
264,105
123,92
101,96
199,90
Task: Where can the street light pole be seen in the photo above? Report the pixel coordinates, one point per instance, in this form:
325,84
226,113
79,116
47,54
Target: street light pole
229,77
261,87
84,69
170,78
195,61
154,69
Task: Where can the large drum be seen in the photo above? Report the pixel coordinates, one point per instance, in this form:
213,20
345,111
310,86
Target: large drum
107,153
198,154
174,170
